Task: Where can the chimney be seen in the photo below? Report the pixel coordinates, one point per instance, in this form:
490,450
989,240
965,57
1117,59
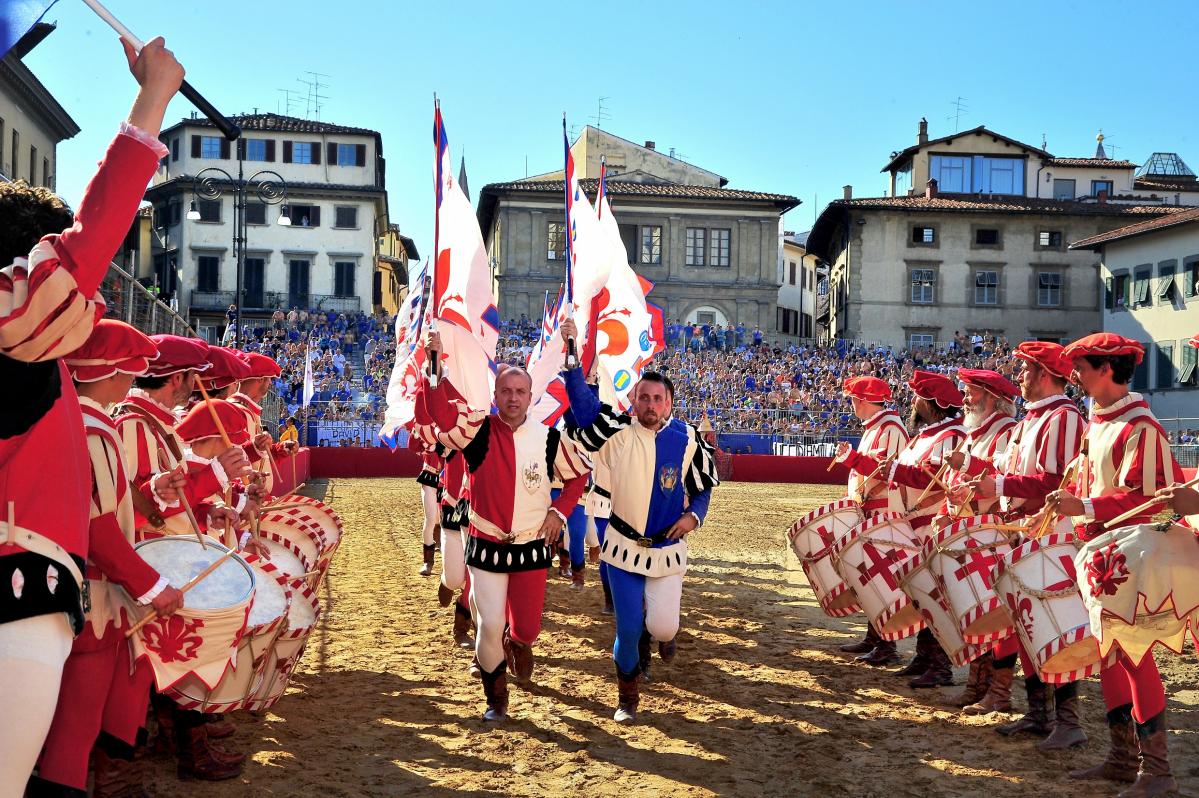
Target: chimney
922,136
1102,197
848,192
930,188
650,145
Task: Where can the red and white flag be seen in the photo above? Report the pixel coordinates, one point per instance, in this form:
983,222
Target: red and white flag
409,363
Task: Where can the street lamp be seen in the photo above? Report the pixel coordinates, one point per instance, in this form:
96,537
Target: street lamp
268,186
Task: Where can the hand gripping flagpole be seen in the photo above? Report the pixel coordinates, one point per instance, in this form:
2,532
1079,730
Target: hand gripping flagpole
228,128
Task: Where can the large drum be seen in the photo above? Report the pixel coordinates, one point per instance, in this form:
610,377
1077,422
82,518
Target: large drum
918,581
200,640
868,558
962,556
1036,580
297,532
812,538
322,516
1141,587
285,556
302,616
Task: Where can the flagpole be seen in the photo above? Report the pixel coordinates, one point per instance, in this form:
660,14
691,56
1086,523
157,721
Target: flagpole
438,135
572,358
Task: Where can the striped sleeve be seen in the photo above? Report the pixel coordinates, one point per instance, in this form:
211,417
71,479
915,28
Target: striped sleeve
141,449
593,436
570,461
1151,465
457,424
701,473
1057,449
105,496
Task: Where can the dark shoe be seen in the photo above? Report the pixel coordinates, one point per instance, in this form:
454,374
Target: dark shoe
608,608
1036,720
1067,731
998,697
437,536
925,645
981,671
1153,776
495,688
939,673
865,645
628,697
643,655
462,627
198,758
520,660
220,727
41,788
884,654
667,649
444,595
1121,761
116,777
427,567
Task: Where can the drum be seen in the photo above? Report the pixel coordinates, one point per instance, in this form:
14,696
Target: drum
321,526
286,557
296,531
923,587
1140,586
867,559
320,509
1036,580
201,639
266,621
302,616
812,538
962,556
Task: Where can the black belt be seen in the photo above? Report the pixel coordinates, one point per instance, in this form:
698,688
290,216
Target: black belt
606,494
645,541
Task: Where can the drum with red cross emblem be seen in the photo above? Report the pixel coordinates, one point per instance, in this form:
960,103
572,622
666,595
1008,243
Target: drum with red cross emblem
962,556
812,539
868,559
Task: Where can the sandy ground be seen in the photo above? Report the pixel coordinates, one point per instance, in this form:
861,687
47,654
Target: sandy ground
758,702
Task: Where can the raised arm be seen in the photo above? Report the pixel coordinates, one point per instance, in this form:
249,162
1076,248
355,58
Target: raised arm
595,422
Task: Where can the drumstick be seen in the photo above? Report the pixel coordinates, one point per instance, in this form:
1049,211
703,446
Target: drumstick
1140,508
940,473
153,613
1072,472
216,419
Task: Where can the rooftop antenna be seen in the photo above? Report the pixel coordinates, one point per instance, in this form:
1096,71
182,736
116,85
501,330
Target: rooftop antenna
289,102
601,113
1044,143
314,99
574,132
959,110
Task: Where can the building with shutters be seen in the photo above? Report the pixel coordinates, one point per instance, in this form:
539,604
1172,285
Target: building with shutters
1150,274
32,122
796,317
336,201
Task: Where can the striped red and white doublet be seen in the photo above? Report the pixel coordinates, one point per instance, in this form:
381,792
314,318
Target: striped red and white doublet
933,441
883,436
991,436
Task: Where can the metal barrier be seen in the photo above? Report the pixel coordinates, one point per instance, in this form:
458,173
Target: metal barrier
1186,454
129,301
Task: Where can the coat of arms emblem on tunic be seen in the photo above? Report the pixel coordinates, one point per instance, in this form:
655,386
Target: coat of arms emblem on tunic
668,477
531,476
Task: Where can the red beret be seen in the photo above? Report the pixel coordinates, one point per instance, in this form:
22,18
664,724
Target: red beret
176,354
197,424
1047,355
868,389
113,347
991,381
1105,344
936,388
227,368
259,365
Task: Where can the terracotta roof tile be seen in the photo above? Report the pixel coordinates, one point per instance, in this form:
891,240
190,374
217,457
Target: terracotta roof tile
1180,216
279,123
1165,183
1093,163
631,189
972,203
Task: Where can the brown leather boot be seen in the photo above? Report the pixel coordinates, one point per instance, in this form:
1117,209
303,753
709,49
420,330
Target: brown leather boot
1036,720
444,595
1153,776
923,658
1121,761
576,577
118,778
520,659
977,682
998,697
563,564
197,760
644,649
495,688
865,645
667,649
219,726
883,654
462,627
939,673
1067,731
628,697
427,567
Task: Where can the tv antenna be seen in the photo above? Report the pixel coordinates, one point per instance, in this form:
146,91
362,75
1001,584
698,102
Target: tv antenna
959,110
288,102
314,99
601,113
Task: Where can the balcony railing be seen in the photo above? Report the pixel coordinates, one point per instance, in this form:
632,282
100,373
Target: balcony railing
341,304
211,300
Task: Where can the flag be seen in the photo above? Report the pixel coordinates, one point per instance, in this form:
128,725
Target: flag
462,177
545,365
409,361
461,297
309,383
16,18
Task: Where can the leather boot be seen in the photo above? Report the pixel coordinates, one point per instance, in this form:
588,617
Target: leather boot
185,719
444,595
427,567
923,658
667,649
1153,776
116,777
1036,720
593,554
164,715
644,654
475,671
41,788
219,726
495,688
462,627
865,645
977,682
883,654
939,673
998,697
197,760
1067,731
576,577
1121,761
608,608
628,696
563,564
520,659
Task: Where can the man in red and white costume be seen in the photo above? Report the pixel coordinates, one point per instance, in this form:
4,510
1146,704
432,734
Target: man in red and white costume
226,372
262,452
99,700
1128,460
48,307
883,437
937,411
429,479
511,460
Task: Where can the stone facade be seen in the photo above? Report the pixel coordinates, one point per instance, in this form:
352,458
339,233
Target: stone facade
32,123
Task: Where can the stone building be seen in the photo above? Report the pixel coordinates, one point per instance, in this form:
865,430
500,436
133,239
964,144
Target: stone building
797,291
32,122
713,253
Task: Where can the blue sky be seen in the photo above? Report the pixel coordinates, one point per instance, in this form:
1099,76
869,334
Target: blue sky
788,97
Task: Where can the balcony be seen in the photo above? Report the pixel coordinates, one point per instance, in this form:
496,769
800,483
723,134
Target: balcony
211,300
340,304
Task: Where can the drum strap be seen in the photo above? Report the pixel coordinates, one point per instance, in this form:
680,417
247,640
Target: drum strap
11,534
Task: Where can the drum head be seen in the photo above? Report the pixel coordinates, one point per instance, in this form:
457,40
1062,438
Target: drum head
180,559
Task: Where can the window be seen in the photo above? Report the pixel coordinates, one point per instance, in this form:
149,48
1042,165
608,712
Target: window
1166,290
1190,359
986,237
1140,377
1117,292
1049,289
1140,288
920,341
210,210
16,148
986,288
301,152
555,241
696,245
343,278
791,276
210,146
1049,239
628,237
1101,185
1063,189
347,155
346,216
304,215
952,173
253,282
298,270
651,245
208,273
924,285
1165,366
255,149
46,173
255,213
705,317
924,234
977,174
33,165
720,248
175,149
1190,277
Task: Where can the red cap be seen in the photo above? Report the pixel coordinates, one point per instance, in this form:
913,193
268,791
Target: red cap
176,354
198,423
991,381
227,368
1105,344
113,348
936,388
259,365
868,389
1047,355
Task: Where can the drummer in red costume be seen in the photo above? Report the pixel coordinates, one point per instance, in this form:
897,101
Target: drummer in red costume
883,437
1128,460
228,370
263,451
100,703
48,307
937,411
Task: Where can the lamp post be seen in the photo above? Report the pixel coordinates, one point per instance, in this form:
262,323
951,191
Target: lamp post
267,185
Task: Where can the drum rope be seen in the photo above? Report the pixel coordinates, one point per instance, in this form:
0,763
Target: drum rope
1041,594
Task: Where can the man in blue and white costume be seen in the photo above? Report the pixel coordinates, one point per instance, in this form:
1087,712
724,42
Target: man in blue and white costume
661,478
